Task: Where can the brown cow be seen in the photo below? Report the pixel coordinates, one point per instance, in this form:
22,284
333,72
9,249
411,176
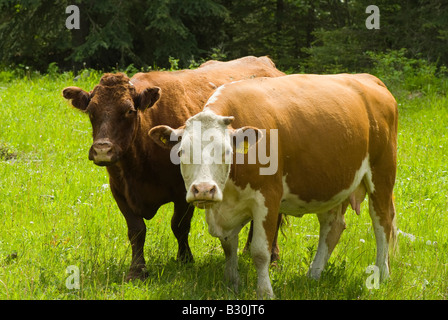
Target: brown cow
330,139
141,176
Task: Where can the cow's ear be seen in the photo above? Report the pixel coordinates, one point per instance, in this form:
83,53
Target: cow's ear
245,138
147,98
80,98
165,136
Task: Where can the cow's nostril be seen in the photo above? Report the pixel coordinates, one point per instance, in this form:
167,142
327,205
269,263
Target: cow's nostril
195,190
213,190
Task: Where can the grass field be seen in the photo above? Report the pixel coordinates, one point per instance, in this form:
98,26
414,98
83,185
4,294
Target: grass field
56,210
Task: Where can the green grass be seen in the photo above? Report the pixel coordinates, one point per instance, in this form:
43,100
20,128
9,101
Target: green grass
56,210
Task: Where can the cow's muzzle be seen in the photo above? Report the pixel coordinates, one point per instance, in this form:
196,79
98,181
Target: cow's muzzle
203,194
102,153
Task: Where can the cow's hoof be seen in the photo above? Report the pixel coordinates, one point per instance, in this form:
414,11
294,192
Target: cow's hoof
314,273
265,294
232,279
185,257
137,273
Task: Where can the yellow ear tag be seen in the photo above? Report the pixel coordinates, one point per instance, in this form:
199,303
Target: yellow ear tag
243,147
163,139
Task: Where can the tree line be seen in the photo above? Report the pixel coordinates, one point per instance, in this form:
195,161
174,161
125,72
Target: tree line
299,35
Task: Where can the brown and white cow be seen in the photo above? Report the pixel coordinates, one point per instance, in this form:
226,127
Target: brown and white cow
142,177
330,139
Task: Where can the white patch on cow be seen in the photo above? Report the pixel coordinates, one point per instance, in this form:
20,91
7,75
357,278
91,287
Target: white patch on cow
259,250
382,246
292,205
214,96
368,179
322,254
217,93
226,218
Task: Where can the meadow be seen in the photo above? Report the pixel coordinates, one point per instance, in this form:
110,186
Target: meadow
56,211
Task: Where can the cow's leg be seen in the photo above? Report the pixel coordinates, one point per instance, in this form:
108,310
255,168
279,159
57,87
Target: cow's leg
332,224
382,212
381,207
265,227
180,224
231,275
275,252
136,235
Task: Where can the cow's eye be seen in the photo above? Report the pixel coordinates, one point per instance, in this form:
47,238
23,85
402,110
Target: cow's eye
130,112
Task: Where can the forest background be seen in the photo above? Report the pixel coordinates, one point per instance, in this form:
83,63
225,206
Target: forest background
318,36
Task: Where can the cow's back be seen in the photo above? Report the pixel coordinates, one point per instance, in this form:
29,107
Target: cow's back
185,92
325,125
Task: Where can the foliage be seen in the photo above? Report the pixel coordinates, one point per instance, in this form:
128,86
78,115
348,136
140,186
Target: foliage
326,55
408,74
306,35
112,33
418,26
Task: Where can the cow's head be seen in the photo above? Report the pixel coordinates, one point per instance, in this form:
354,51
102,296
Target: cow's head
206,150
113,107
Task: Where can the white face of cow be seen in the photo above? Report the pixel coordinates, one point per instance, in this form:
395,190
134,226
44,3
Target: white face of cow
205,157
206,152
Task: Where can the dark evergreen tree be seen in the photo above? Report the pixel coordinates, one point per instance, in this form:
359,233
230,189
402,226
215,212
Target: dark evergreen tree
300,35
